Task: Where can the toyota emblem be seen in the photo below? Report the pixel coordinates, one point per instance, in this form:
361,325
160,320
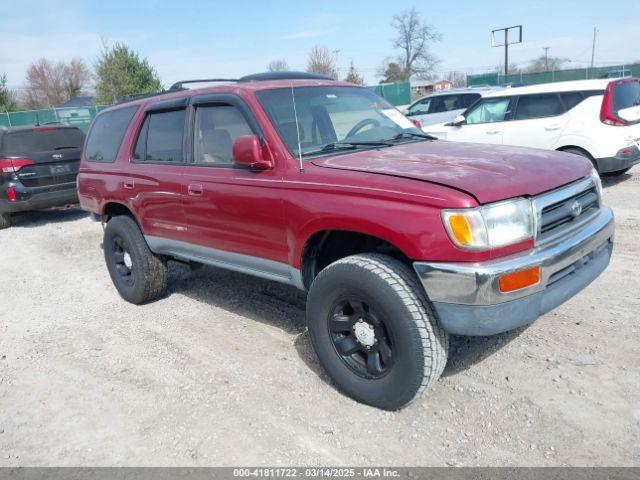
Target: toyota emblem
576,208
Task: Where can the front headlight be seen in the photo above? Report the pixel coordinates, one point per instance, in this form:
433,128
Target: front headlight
491,226
596,180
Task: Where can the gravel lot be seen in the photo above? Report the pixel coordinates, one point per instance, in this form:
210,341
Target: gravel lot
221,370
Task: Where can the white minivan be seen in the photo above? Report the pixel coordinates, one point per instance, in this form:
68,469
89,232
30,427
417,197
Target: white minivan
598,119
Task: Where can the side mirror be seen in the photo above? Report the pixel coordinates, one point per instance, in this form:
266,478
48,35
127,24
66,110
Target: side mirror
459,120
247,151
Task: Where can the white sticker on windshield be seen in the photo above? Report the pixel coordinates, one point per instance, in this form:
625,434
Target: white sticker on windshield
396,117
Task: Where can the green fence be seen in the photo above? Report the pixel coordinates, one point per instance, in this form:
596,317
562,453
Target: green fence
80,117
395,93
548,77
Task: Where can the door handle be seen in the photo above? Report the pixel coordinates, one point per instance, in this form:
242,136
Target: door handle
550,128
128,184
493,132
195,190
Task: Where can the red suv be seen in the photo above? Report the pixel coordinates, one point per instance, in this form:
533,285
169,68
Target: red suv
399,239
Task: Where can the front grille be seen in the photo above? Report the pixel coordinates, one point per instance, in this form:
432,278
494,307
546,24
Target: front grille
561,209
48,181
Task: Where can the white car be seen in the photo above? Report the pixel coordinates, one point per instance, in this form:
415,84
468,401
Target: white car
445,105
598,119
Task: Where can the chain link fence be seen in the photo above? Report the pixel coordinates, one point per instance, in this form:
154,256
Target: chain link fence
80,117
554,76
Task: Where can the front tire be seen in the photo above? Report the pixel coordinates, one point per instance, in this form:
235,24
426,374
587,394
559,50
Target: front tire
374,330
5,220
138,274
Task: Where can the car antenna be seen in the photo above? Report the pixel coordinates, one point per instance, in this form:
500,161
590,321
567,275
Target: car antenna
295,114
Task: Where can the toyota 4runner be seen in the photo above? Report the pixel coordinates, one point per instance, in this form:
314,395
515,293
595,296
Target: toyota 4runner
399,239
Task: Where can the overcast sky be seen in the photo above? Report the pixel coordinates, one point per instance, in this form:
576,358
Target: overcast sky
232,38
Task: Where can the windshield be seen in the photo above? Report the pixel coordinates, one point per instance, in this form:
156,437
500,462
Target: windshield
331,118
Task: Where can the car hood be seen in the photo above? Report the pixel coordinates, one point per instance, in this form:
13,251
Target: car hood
487,172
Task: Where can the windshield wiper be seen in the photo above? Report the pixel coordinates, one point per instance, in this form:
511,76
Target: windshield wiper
402,135
64,147
331,147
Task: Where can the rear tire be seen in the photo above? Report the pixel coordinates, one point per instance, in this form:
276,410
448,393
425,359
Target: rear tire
137,273
5,220
374,330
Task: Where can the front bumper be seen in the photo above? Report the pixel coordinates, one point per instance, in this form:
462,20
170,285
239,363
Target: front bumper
467,298
28,199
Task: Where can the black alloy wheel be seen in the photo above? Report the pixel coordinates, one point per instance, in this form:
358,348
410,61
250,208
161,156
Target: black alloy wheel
361,337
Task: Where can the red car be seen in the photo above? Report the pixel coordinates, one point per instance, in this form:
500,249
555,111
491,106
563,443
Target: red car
399,239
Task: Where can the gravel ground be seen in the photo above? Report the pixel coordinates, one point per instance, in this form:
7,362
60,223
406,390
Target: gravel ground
221,370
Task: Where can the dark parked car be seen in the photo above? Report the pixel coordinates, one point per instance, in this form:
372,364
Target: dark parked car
38,168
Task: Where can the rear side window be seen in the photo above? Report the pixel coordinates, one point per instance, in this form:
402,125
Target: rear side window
538,106
161,138
571,99
216,128
41,139
106,134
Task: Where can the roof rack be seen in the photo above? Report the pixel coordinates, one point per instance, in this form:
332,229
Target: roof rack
255,77
261,77
178,85
138,96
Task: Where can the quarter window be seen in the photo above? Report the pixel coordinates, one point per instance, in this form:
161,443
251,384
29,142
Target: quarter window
571,99
538,106
489,110
161,137
216,128
106,134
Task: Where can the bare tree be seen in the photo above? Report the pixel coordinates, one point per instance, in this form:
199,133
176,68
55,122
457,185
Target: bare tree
513,69
278,65
76,77
546,63
413,39
353,76
322,62
51,83
457,79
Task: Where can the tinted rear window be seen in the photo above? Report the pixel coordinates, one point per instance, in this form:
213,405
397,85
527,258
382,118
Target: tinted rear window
626,95
44,139
106,134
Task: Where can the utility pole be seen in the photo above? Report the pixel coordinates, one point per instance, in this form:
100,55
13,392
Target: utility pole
336,53
546,58
593,48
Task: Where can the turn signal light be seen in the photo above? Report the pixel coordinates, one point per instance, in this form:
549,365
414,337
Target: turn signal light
11,194
460,229
518,280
